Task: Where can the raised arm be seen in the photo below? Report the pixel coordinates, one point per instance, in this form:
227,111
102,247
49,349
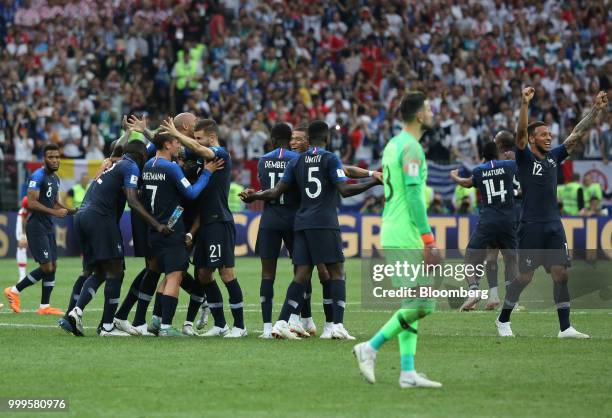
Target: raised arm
140,126
587,122
191,191
461,181
521,128
168,127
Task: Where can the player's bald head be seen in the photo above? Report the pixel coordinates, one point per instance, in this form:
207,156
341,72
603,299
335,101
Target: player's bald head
185,122
504,141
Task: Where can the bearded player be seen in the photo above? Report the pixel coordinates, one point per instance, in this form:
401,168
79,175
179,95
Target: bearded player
541,235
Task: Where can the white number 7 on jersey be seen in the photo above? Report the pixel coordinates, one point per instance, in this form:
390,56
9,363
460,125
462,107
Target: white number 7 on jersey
154,188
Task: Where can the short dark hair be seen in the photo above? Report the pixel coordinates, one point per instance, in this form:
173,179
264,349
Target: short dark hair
209,126
411,104
489,151
137,151
504,140
50,147
281,134
318,133
533,125
159,140
117,150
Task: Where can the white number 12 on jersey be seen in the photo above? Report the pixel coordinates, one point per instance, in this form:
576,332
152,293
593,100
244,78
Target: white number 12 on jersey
491,192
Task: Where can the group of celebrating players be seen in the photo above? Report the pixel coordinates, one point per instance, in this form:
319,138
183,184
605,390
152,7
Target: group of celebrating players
177,187
176,183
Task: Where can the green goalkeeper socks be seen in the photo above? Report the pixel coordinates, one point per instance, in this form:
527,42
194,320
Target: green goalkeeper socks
407,345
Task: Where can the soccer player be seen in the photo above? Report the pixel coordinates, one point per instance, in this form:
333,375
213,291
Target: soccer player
496,226
505,144
318,175
97,229
216,233
541,236
77,287
144,284
405,227
276,223
22,240
165,185
299,143
43,203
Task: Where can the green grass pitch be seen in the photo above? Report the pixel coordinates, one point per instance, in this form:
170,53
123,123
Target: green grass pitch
534,374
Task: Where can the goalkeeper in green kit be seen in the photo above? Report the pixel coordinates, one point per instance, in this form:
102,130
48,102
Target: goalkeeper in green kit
406,235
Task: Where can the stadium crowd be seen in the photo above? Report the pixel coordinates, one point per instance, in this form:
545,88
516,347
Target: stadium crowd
69,69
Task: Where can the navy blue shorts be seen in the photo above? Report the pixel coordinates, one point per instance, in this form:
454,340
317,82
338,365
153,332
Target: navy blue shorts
99,238
542,244
269,242
171,258
489,234
317,246
214,246
42,246
140,236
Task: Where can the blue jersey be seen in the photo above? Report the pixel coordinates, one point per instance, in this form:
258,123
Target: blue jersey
213,201
48,186
280,213
539,184
105,196
494,180
518,197
165,186
315,173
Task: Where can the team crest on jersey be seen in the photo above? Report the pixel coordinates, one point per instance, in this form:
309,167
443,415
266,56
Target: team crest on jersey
32,183
133,179
46,254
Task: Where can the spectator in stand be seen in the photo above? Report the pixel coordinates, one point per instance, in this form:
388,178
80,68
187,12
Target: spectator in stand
23,144
93,143
93,61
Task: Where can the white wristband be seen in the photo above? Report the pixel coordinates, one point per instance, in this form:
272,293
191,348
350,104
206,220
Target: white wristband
188,234
370,173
